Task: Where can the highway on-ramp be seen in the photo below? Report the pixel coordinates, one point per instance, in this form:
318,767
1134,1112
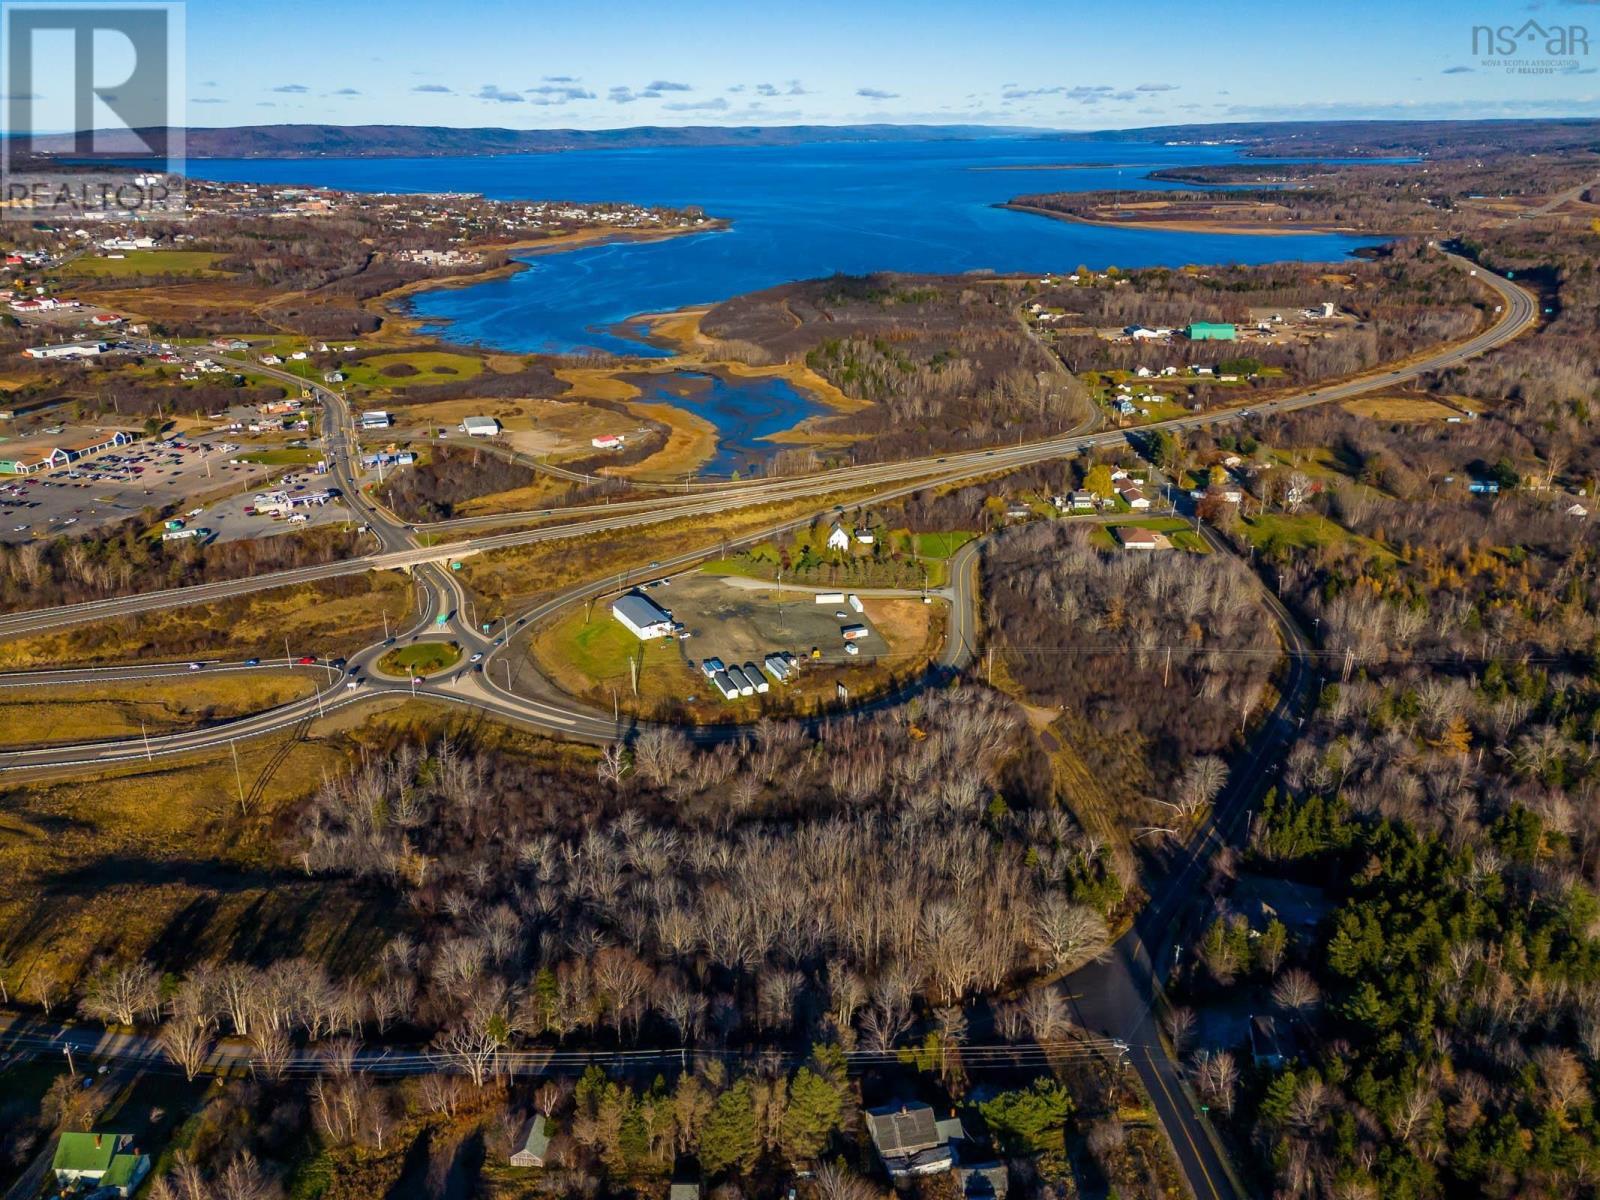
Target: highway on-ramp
1518,312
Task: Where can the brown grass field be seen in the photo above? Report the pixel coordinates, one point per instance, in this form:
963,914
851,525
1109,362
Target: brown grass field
1404,409
31,716
162,859
333,617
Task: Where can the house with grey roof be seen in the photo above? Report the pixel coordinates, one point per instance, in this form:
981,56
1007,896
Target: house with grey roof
909,1140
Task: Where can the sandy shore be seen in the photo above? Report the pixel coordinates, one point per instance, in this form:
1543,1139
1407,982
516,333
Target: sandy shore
1262,229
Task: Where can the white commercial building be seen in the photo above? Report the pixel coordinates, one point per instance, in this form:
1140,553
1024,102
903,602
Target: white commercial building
480,426
375,420
67,350
642,616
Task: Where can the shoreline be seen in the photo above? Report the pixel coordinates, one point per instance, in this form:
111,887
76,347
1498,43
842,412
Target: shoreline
390,304
1203,227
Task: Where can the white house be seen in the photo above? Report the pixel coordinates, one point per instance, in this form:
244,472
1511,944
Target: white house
838,537
535,1144
645,619
607,441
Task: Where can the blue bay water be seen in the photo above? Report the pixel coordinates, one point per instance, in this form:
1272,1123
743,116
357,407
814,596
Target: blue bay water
797,212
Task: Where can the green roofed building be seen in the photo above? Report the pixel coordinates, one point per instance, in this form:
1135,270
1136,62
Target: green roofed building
1211,331
105,1160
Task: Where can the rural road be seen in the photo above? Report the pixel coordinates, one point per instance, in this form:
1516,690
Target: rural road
1518,313
1114,997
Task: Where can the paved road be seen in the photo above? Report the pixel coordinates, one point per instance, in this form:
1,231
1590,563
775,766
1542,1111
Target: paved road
1115,996
1518,314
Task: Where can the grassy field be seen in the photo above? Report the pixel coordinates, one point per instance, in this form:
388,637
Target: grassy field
932,545
86,712
281,458
338,616
1402,409
588,654
421,658
163,855
1303,531
136,263
431,366
503,577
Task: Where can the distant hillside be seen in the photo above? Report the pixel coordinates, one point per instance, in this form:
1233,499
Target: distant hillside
397,141
1299,139
1377,139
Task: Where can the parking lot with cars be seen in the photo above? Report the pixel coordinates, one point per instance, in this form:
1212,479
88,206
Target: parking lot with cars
115,486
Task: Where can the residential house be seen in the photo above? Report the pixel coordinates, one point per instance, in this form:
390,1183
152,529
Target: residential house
104,1161
865,537
1083,500
534,1144
838,538
1139,539
1133,497
908,1140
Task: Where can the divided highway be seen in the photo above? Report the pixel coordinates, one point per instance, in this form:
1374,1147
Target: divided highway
1113,997
1518,313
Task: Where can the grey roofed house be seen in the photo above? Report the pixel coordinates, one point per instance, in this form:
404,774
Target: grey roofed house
909,1139
684,1191
535,1144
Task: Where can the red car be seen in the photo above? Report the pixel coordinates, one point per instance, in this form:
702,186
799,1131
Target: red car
305,660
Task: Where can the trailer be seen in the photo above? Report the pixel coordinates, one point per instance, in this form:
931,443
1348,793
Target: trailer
723,684
754,675
853,633
736,676
829,597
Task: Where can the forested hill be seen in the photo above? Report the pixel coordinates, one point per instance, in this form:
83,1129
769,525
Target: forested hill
398,141
1344,139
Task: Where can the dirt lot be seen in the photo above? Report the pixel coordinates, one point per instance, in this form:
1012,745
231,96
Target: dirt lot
558,428
737,620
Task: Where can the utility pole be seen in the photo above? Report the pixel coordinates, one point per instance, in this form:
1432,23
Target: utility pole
287,657
238,779
71,1069
145,733
1166,671
633,671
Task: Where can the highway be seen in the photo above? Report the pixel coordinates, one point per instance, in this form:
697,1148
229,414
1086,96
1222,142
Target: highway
1518,313
1113,997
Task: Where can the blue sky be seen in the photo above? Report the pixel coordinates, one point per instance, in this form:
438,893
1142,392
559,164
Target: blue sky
607,63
